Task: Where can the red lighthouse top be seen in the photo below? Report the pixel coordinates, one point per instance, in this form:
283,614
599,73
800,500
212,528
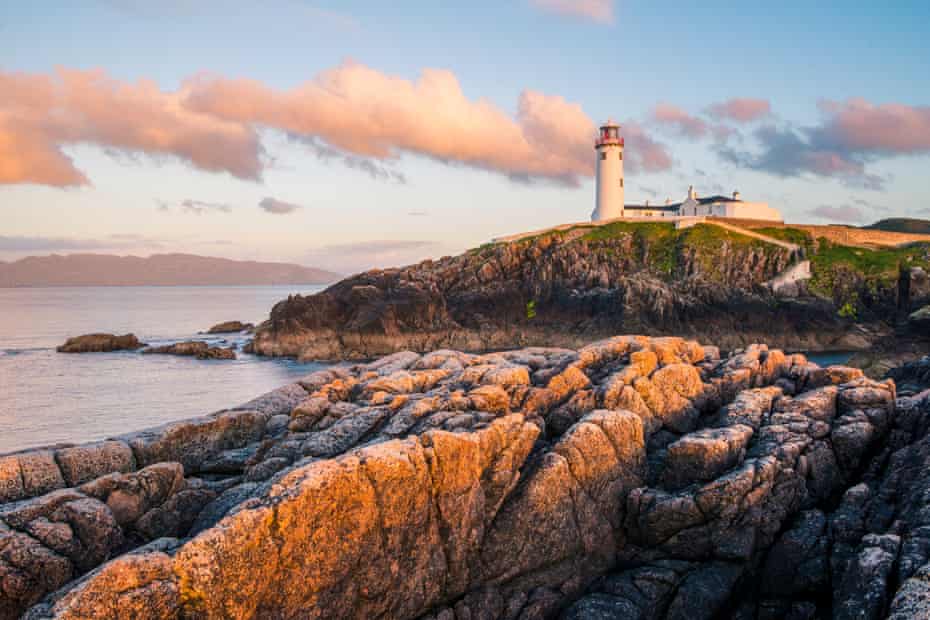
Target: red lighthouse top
609,134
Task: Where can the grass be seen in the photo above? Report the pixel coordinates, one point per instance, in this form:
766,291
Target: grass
791,235
879,267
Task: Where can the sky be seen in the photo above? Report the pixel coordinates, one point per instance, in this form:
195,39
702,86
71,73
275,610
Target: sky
349,135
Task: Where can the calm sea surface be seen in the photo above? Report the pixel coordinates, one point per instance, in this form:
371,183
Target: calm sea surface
48,397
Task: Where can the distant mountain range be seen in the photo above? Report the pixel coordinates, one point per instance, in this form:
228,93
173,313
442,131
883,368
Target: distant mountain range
156,270
902,225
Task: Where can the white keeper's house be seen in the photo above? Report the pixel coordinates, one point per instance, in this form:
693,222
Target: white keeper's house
610,205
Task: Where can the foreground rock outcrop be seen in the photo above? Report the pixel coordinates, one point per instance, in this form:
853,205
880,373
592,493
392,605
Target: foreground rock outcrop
100,343
633,478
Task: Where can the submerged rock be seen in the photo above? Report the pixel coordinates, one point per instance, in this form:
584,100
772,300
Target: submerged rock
195,348
100,343
633,478
228,327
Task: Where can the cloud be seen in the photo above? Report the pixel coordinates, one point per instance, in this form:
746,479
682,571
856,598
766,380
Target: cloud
844,213
277,207
741,110
852,135
197,207
372,168
360,111
367,118
200,207
379,253
789,153
17,245
48,244
644,154
857,126
686,124
862,202
601,11
39,114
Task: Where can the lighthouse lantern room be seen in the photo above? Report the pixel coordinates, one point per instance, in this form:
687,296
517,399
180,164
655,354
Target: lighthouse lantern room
609,148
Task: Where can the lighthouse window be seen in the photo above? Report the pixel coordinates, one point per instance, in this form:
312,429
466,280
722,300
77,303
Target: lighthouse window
621,182
604,155
621,155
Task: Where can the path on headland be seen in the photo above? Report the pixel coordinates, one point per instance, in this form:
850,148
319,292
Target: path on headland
793,247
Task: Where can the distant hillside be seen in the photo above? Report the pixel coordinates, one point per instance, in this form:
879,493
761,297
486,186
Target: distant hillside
902,225
156,270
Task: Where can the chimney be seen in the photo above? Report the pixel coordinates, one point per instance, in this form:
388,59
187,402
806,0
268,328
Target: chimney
736,196
647,202
691,192
668,201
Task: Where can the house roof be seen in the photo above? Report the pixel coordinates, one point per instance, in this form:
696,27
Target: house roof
671,207
713,199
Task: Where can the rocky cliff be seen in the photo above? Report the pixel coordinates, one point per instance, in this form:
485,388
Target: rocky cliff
633,478
567,288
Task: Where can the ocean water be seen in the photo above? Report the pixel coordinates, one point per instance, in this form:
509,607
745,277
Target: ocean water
48,397
830,358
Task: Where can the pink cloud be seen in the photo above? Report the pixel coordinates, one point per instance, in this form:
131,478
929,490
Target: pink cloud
687,125
595,10
891,128
213,123
642,152
41,113
741,110
842,213
365,112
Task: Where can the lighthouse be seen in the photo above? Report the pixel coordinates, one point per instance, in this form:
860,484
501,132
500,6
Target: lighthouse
609,148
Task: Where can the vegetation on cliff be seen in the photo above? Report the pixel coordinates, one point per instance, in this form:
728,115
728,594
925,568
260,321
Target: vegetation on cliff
860,281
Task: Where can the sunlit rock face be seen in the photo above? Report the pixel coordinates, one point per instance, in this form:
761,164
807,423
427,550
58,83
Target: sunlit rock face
632,478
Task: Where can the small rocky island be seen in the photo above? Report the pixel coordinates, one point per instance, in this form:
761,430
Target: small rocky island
100,343
229,327
636,478
194,348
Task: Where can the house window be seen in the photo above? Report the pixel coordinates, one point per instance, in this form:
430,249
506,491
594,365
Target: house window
603,155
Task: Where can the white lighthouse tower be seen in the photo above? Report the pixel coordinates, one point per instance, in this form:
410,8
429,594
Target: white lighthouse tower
609,147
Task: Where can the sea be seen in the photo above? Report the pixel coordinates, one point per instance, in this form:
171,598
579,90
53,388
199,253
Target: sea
48,397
